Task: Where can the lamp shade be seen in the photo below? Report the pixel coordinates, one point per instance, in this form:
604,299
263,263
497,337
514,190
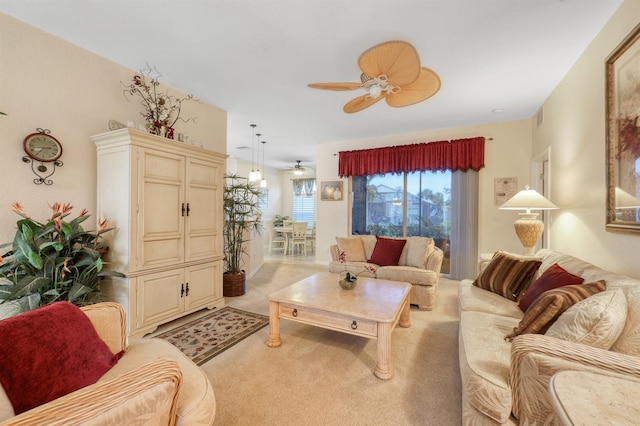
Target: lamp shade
528,199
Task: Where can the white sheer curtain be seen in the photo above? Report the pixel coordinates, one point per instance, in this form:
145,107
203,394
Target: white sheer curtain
464,224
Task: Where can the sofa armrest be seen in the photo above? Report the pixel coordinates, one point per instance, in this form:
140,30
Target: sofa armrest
147,394
535,358
434,260
335,253
110,321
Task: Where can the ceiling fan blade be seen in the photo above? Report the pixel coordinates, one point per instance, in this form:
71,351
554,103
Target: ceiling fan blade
398,60
335,86
427,85
361,102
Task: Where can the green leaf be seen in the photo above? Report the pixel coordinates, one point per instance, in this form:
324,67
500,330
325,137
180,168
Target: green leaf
27,232
35,260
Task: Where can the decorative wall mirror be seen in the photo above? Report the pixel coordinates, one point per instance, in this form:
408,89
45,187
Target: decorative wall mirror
623,135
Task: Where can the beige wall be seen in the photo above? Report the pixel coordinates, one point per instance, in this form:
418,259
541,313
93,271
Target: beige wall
507,155
49,83
575,129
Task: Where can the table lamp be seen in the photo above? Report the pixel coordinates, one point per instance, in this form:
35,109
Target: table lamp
528,227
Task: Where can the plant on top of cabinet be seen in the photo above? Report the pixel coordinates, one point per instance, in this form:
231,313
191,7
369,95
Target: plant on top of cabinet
241,218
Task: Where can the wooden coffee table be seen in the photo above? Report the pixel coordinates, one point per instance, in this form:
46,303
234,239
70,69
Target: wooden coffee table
372,310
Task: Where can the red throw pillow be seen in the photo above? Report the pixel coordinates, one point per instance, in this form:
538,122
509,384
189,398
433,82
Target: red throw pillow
50,352
553,277
387,251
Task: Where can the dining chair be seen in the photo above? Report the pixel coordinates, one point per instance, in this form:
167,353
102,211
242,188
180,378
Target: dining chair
311,237
277,240
298,237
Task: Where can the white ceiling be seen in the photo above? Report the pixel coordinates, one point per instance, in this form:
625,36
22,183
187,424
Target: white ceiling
254,58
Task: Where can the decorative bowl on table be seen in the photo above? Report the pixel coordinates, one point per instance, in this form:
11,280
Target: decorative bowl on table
347,280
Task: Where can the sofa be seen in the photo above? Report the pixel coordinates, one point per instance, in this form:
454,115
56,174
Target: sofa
152,382
506,367
418,262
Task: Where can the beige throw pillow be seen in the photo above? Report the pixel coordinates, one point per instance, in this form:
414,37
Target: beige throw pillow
418,248
629,340
596,321
352,248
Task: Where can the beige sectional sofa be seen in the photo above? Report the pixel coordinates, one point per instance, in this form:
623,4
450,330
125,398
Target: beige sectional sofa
507,382
419,264
152,383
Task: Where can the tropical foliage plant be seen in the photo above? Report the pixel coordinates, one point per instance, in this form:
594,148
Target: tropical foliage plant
53,261
241,217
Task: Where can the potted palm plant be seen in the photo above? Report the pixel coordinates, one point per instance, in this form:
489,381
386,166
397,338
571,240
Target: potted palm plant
241,218
52,261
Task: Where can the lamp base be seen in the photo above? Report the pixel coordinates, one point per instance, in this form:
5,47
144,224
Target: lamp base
529,229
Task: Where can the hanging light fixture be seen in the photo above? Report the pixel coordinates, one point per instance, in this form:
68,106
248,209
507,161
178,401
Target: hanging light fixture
258,174
263,181
253,176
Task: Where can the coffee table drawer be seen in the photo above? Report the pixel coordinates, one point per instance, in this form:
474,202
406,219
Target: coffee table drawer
330,320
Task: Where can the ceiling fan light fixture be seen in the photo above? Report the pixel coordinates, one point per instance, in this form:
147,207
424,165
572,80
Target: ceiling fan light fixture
298,172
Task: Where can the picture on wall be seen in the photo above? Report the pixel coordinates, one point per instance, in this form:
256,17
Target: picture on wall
331,190
623,135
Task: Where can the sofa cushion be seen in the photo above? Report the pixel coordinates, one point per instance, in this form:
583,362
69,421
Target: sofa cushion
416,251
595,321
387,251
352,248
196,400
407,274
507,275
484,363
548,307
369,243
629,340
472,298
49,352
555,276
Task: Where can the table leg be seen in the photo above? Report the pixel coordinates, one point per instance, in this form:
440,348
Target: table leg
274,325
405,315
384,369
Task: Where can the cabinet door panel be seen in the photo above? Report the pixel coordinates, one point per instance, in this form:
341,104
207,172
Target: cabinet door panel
159,296
161,198
205,210
204,287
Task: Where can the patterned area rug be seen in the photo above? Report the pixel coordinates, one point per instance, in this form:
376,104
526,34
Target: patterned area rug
206,337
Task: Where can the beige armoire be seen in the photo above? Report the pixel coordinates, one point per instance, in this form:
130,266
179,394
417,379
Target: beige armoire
165,200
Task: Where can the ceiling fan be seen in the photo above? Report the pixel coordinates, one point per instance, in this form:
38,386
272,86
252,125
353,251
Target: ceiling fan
390,71
297,169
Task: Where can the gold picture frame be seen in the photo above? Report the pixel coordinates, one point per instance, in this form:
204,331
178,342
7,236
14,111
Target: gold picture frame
331,190
622,68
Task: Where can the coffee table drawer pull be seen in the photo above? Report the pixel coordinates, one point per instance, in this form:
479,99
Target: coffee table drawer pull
294,313
354,325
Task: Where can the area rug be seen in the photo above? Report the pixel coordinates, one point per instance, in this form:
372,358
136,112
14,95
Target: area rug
206,337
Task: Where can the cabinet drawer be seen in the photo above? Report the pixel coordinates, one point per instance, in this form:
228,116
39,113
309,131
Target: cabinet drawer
330,320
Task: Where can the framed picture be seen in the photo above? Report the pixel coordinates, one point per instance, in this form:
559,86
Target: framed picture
331,190
623,135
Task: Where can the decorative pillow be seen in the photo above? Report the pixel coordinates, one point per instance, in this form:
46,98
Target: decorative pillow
629,340
50,352
418,248
507,275
546,309
595,321
352,248
387,251
553,277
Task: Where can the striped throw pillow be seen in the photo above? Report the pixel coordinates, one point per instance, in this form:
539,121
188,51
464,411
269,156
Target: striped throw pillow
508,275
548,307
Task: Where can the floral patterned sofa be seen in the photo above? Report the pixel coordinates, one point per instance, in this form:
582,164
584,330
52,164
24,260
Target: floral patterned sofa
418,262
507,356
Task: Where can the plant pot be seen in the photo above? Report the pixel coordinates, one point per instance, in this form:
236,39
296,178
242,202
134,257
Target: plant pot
344,283
233,284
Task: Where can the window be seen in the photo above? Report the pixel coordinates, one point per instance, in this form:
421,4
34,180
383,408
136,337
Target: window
409,204
304,200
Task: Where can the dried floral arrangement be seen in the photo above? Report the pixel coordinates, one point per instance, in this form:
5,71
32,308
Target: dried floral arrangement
161,110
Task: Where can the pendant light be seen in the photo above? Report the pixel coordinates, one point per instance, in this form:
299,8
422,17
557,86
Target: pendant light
258,174
263,181
252,175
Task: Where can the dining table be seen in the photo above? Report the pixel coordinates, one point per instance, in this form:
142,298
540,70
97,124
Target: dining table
287,231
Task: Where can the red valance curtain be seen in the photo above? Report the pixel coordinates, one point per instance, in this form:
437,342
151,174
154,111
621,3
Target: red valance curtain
460,154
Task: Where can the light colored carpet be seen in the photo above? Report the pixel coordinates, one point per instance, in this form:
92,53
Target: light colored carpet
322,377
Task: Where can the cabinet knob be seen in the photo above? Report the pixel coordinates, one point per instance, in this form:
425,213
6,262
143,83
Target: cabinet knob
294,313
187,291
182,209
354,325
188,209
181,290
